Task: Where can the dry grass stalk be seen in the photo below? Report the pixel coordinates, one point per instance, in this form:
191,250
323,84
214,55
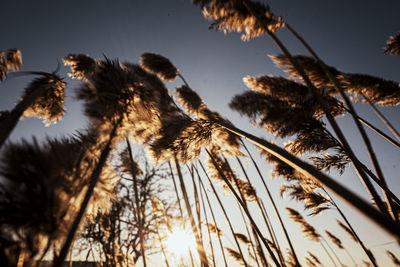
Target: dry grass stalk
223,210
212,227
393,257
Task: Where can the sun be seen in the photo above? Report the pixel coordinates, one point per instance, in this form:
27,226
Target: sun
180,241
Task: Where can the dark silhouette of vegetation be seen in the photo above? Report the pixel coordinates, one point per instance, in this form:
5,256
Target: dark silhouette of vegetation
87,189
120,232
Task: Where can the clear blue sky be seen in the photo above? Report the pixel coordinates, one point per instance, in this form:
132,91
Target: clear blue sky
349,35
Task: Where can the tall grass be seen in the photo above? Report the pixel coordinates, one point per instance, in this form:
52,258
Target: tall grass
126,101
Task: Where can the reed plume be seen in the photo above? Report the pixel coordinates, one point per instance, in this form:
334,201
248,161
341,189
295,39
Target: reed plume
230,16
181,136
290,261
220,169
213,228
284,119
335,240
194,105
159,65
295,94
43,97
251,10
307,228
243,238
50,105
313,257
237,256
313,201
393,45
380,91
278,87
289,116
393,257
311,68
189,99
275,115
327,162
14,59
82,66
347,230
310,262
9,60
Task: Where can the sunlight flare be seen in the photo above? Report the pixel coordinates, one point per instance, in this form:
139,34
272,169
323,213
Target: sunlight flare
180,241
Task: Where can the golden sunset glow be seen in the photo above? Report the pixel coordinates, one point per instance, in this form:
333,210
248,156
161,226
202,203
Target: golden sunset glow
176,146
180,241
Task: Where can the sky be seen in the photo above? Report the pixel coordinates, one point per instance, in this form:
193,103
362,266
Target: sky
349,35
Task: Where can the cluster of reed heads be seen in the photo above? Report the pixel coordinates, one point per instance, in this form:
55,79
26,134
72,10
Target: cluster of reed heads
54,189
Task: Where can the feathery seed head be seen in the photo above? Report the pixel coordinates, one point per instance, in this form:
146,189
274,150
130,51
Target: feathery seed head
308,229
235,15
338,161
379,91
3,67
312,69
10,60
129,166
310,262
82,66
222,137
334,239
275,115
159,65
14,59
312,200
214,229
393,45
108,93
189,99
313,140
290,261
243,238
219,168
235,255
278,87
315,258
393,257
50,105
194,105
181,136
347,230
